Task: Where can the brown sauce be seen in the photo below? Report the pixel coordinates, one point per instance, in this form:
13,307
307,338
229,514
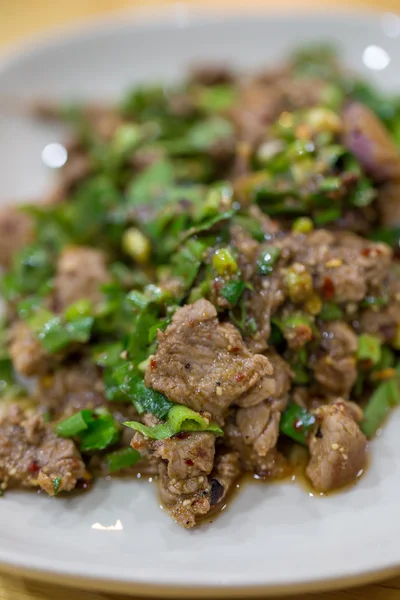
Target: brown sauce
297,460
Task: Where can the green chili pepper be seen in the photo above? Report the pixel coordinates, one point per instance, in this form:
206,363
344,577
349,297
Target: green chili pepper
330,312
384,397
297,423
180,418
369,349
56,485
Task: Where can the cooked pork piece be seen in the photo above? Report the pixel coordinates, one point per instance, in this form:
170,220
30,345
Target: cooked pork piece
32,455
337,448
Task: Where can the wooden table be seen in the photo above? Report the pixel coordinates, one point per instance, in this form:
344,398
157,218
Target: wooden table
22,18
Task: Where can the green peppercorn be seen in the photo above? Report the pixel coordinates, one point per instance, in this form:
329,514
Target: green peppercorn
223,262
299,283
302,225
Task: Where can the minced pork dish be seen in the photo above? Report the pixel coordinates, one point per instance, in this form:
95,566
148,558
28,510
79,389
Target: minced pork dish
213,283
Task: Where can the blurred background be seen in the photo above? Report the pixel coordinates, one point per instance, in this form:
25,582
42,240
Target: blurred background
20,19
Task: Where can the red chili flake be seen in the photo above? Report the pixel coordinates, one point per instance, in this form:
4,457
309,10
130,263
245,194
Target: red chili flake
189,462
303,334
349,178
153,364
239,377
366,363
217,285
388,331
33,467
235,349
135,445
368,251
328,288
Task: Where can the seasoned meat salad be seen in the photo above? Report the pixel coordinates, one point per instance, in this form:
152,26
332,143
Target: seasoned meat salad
214,281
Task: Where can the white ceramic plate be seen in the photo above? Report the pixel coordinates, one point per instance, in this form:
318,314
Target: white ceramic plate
270,539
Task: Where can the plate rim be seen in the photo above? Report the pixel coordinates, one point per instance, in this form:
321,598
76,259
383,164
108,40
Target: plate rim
149,590
176,12
161,16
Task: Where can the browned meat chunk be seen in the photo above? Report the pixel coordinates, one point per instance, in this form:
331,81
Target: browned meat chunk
338,339
349,273
337,376
211,74
282,375
368,139
253,433
264,389
385,322
248,250
270,463
273,388
344,267
74,387
191,483
28,355
259,426
209,492
31,455
336,371
203,363
80,274
257,106
261,305
187,455
71,388
389,204
337,447
16,231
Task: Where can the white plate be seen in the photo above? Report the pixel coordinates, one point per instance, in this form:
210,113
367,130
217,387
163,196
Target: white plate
270,539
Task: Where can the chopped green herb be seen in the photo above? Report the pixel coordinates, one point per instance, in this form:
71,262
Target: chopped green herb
151,185
122,459
56,485
75,424
96,430
330,312
267,259
101,433
145,399
232,291
216,98
55,332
